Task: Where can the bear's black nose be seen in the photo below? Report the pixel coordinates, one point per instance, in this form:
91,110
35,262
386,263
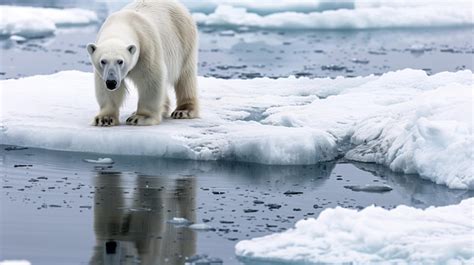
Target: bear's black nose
111,247
111,84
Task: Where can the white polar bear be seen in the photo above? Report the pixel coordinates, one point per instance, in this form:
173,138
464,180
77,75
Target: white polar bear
152,43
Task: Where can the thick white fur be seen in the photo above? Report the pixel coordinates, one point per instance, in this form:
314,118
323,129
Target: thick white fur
165,36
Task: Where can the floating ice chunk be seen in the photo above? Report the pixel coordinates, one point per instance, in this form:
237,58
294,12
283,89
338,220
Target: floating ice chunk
370,188
404,235
18,39
179,221
105,160
15,262
202,227
227,33
417,48
33,22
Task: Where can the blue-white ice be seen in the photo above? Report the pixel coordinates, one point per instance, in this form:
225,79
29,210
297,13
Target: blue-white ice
31,22
404,235
406,120
15,262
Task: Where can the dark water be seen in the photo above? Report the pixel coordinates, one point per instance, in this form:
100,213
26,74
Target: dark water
57,209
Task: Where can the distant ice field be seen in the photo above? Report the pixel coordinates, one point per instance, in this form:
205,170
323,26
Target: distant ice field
406,120
31,22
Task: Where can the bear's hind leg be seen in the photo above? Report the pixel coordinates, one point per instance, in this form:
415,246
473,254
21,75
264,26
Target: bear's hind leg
187,103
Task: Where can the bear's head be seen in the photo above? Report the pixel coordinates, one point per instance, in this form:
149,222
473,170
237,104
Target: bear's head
113,61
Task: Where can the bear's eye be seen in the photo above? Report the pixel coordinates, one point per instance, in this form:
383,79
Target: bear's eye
103,62
120,62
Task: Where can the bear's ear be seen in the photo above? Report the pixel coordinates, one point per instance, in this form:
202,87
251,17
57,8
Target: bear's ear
91,47
132,49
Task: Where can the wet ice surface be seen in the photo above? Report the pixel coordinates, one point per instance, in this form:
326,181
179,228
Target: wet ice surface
245,53
82,211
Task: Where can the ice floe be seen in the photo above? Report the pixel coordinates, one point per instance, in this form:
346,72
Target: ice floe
406,120
380,14
32,22
404,235
200,227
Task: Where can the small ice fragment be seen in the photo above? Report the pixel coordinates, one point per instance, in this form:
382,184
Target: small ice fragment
140,209
202,227
104,160
227,33
417,48
17,38
370,188
179,221
15,262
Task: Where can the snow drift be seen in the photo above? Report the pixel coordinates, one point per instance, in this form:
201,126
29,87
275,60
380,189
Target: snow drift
32,22
404,235
406,120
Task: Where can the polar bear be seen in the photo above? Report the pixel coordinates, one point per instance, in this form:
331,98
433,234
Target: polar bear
153,44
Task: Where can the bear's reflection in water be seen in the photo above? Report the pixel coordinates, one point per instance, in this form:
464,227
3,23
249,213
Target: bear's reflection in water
130,219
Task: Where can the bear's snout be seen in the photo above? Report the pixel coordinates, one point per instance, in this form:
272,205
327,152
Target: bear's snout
111,84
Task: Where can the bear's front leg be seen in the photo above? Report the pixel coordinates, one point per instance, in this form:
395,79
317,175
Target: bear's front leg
109,103
151,100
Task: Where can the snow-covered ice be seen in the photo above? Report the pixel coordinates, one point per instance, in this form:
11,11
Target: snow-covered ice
404,235
406,120
364,15
201,227
179,221
31,22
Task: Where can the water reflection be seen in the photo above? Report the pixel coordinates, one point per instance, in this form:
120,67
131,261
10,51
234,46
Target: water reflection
419,192
130,219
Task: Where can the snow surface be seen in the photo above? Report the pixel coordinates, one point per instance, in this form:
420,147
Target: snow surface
404,235
33,22
380,14
179,221
406,120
